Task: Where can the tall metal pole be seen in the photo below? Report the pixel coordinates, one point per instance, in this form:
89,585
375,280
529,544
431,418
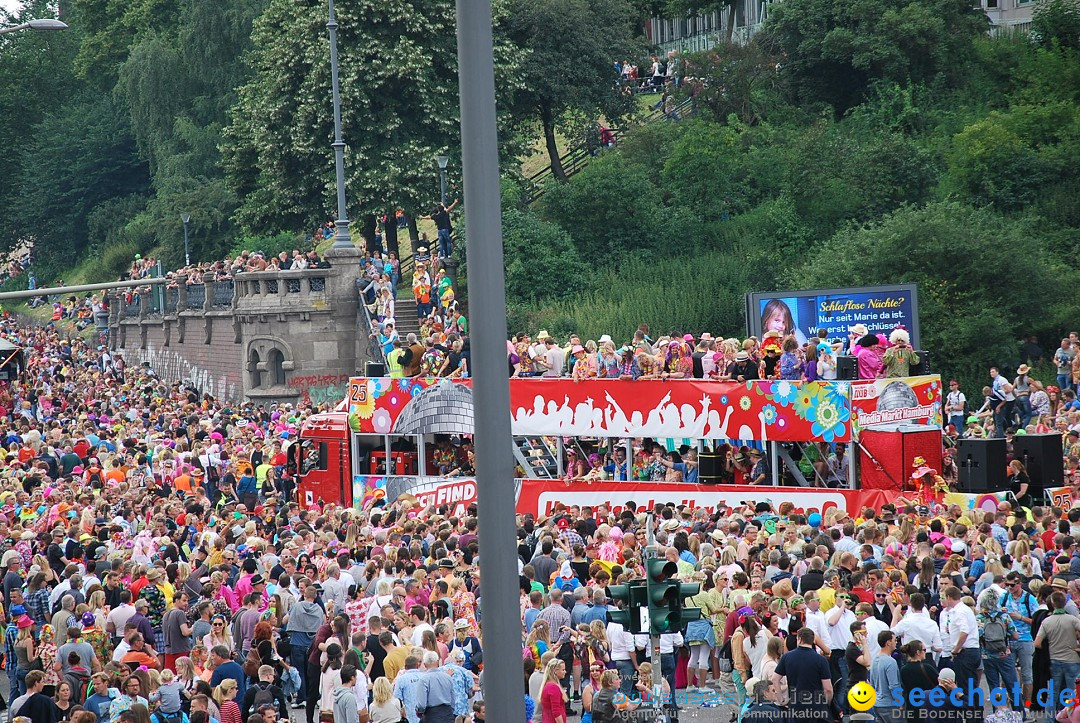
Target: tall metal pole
442,186
187,249
653,550
503,687
342,239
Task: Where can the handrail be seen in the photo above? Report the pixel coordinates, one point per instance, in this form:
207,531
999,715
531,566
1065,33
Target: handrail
376,347
578,155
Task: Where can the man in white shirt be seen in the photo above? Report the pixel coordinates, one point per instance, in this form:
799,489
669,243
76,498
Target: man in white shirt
334,588
118,616
954,405
815,620
553,359
864,613
418,615
915,623
847,542
624,654
839,620
960,635
669,642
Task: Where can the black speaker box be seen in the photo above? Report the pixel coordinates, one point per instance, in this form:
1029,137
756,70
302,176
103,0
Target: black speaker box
1042,455
923,367
709,468
374,369
981,464
847,368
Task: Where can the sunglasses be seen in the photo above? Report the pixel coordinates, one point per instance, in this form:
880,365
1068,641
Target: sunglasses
881,594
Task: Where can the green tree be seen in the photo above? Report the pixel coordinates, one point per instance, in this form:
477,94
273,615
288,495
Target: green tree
734,79
835,50
982,278
1055,24
568,49
1010,158
612,210
542,263
108,30
79,157
704,173
35,79
398,69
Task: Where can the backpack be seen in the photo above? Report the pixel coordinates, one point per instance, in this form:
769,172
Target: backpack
725,661
252,663
472,653
95,479
995,634
263,696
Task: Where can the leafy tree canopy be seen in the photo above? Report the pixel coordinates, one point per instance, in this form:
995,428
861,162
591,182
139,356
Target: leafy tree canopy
835,50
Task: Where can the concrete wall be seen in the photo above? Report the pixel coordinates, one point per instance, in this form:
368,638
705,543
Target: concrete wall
213,368
293,336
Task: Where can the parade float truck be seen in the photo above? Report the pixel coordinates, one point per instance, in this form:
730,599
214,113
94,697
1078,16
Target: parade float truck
395,436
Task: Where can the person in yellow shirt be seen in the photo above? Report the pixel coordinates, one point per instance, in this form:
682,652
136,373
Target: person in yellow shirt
827,593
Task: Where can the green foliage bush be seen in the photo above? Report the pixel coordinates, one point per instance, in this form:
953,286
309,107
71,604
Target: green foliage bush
613,209
982,278
673,293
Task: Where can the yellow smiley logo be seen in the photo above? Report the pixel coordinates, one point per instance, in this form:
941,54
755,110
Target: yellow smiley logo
862,697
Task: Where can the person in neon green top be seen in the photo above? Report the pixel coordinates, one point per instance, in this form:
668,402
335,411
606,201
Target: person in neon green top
394,366
263,473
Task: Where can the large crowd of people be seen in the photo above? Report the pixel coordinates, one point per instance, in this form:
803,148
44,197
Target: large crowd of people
159,567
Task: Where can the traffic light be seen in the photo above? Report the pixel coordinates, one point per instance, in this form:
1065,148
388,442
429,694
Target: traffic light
665,597
632,595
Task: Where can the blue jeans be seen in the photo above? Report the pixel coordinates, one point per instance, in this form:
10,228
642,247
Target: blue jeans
446,244
1023,652
965,665
298,659
1023,410
626,676
1063,381
1063,676
667,669
1000,672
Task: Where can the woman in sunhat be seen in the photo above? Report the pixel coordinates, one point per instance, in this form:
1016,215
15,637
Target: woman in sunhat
1022,390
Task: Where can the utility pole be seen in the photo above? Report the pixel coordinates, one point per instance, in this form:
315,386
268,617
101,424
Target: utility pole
503,686
185,217
342,238
652,551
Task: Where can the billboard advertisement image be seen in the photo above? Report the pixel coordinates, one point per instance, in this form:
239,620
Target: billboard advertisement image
803,313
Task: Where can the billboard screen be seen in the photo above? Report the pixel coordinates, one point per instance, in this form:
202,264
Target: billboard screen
803,313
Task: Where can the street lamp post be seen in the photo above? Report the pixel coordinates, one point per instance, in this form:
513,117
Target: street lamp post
442,161
39,24
185,217
487,365
342,239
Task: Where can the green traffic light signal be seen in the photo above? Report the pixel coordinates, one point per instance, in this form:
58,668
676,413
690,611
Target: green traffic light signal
632,596
663,595
688,614
667,612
